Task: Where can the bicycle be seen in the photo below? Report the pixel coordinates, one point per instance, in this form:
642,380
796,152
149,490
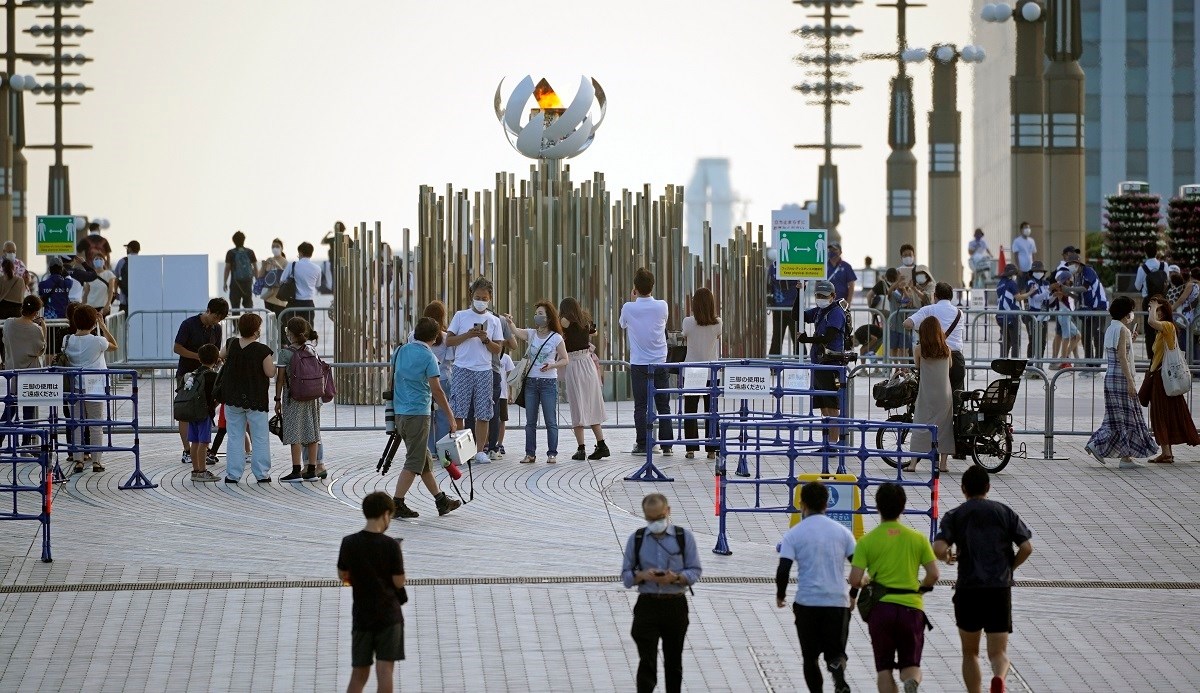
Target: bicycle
982,418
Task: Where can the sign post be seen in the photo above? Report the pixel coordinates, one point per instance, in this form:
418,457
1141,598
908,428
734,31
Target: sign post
802,254
56,235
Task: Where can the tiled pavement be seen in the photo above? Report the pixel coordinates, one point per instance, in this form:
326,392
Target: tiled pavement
481,632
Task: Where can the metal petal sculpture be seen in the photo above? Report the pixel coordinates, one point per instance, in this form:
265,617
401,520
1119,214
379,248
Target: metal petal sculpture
552,131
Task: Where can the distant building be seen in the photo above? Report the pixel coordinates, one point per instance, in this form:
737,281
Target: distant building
1143,96
708,196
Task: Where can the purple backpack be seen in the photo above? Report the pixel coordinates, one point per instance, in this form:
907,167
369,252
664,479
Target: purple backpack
309,377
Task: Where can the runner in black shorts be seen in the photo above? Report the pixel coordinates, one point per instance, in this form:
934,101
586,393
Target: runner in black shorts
985,533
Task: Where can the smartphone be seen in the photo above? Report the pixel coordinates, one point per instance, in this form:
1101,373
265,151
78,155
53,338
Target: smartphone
659,573
479,326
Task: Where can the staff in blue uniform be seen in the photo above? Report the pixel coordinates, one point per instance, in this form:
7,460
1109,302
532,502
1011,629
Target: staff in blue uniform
828,338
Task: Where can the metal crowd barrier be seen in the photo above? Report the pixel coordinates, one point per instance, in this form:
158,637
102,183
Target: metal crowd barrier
29,481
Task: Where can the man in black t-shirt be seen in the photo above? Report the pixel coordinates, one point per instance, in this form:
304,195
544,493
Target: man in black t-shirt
195,332
371,563
985,532
241,269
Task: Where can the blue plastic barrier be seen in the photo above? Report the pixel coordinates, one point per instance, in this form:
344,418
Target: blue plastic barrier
793,439
778,404
27,478
61,423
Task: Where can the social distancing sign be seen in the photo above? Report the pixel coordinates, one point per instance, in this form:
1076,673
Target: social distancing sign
56,235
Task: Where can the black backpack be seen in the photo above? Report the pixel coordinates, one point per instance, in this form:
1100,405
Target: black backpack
243,267
191,404
847,327
1156,281
640,535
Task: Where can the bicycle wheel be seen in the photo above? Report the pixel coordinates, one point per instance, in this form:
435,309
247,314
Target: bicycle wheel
993,451
893,439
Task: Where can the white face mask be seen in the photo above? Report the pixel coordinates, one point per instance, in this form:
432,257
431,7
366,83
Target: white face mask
479,306
658,526
1025,231
10,256
907,260
823,303
276,251
922,280
1038,275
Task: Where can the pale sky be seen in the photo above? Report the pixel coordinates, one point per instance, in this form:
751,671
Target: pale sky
278,117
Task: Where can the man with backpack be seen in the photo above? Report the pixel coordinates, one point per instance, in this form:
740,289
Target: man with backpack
239,273
1151,280
122,270
662,561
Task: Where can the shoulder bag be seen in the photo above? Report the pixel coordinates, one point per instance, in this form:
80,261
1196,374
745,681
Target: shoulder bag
287,288
1176,376
518,376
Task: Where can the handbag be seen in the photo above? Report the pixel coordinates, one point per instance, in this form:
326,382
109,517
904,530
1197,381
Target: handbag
287,288
1146,388
1175,374
218,391
516,379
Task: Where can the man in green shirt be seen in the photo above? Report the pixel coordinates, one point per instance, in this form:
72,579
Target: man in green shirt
891,553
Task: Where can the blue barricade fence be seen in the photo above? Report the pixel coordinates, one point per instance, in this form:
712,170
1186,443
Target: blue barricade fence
731,390
69,426
805,446
27,478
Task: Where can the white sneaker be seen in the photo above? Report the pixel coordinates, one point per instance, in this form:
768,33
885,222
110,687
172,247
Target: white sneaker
482,458
492,454
1128,464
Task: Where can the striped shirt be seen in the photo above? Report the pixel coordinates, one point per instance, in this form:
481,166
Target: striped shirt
1006,292
1094,297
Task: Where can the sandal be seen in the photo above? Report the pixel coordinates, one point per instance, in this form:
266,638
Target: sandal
78,465
97,467
689,455
1162,459
908,468
528,459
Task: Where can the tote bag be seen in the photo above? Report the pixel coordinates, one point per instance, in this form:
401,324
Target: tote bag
1176,377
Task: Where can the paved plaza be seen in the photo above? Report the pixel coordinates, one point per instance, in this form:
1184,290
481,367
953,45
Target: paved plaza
231,588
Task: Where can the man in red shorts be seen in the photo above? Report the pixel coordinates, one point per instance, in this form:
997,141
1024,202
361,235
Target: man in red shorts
891,553
985,533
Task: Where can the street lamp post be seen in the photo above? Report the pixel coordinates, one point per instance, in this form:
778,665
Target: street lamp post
945,159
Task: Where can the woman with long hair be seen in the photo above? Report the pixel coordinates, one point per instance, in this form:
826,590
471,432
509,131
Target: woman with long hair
12,289
245,381
547,354
301,420
86,350
24,345
935,401
702,330
1123,432
1170,419
581,379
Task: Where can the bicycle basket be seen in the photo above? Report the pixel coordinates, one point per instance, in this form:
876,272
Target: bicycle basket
896,393
999,397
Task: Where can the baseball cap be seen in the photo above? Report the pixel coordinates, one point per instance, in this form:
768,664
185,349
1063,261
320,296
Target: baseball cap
133,246
1010,270
823,287
1070,249
835,246
1074,257
54,261
1037,265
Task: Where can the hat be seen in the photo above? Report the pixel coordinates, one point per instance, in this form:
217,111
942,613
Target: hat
1070,249
1010,270
823,287
133,247
835,246
1037,265
1172,269
54,261
1073,256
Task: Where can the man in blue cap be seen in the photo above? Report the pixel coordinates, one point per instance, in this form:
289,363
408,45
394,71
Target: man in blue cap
828,339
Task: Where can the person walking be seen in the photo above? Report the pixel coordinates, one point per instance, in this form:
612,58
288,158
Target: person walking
24,345
1123,432
954,328
661,560
935,396
547,354
245,381
1151,279
819,547
416,387
193,333
372,564
1024,248
301,420
240,273
271,271
891,554
985,533
1170,418
581,378
475,334
308,276
440,419
86,350
644,319
702,329
1010,326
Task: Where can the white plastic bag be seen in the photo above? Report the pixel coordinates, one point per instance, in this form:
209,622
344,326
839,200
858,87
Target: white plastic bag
1176,377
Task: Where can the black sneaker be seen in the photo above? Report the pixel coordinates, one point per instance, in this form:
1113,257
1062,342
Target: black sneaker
402,509
264,480
210,459
580,453
446,504
187,457
231,481
839,678
638,450
293,476
601,451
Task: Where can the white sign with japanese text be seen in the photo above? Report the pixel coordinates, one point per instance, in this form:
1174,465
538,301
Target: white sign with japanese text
40,389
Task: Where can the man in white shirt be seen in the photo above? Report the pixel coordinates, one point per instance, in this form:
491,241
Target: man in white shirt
1151,278
1024,248
645,322
820,548
308,275
476,334
954,324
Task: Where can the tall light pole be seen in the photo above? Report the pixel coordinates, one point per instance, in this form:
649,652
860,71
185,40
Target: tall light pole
826,61
945,159
1065,193
13,201
59,191
901,163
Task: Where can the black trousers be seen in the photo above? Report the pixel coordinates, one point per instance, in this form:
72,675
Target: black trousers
781,322
1151,334
241,293
958,372
823,631
640,378
1010,338
1093,341
1037,332
654,619
691,430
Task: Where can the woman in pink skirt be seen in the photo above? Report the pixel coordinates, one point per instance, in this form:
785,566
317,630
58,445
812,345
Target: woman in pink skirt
581,378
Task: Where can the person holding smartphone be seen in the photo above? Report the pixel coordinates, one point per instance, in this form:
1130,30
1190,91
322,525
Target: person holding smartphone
475,334
24,345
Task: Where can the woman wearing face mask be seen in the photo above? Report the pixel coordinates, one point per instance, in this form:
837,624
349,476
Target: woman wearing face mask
1170,418
1185,311
12,289
923,280
547,353
271,269
1037,292
99,292
1123,432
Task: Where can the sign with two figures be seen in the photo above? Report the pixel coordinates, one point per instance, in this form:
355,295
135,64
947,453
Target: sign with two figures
801,252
